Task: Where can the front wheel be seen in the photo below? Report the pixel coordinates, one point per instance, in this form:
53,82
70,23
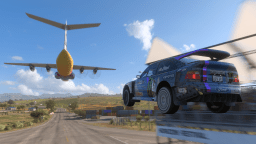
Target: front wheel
217,107
165,101
127,97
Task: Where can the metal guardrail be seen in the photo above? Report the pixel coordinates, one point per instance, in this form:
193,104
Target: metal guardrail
237,121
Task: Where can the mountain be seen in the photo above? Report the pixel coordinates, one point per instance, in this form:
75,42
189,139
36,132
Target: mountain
17,96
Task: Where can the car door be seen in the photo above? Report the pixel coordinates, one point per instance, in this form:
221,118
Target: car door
145,80
139,83
151,79
167,70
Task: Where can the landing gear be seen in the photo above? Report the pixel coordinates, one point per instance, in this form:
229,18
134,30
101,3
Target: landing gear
165,101
217,107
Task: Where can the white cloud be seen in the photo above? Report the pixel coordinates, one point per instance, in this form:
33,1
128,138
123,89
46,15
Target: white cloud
192,46
134,79
141,31
26,91
17,58
188,48
131,62
33,83
4,66
7,83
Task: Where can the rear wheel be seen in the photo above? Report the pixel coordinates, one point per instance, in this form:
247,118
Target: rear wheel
127,96
165,101
217,107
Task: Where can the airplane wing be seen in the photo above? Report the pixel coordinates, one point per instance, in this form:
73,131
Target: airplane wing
55,66
90,68
33,64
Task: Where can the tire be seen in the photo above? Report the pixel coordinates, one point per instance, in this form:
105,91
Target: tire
165,101
127,96
217,107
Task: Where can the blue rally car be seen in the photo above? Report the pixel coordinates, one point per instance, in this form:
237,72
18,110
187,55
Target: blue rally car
174,81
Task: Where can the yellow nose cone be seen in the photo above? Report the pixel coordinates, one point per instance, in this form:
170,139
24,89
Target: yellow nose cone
64,63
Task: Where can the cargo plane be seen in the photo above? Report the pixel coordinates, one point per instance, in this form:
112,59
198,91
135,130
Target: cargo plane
64,62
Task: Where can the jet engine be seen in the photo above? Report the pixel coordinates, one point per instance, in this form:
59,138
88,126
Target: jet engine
48,68
81,70
31,67
95,71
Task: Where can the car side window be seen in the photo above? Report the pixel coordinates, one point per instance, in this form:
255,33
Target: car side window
151,70
166,65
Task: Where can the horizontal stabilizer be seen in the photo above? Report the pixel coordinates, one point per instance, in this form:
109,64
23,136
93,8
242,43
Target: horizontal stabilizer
62,26
80,26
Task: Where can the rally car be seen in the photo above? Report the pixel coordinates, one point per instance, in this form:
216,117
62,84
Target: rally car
174,81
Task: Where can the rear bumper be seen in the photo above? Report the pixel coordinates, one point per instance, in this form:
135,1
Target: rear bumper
209,92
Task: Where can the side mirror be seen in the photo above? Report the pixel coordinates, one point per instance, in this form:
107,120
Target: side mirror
138,76
140,71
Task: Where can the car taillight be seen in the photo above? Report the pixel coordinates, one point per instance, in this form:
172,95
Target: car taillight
192,75
236,78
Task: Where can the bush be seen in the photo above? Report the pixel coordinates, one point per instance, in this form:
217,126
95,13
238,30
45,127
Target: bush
29,123
146,118
18,125
111,121
2,127
36,120
8,128
138,118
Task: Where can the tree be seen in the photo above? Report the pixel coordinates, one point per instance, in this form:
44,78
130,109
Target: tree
18,108
74,105
31,103
27,104
37,114
36,107
50,104
22,107
10,102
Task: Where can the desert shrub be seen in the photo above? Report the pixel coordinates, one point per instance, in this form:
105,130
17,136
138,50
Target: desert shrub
2,127
29,123
128,120
146,118
18,124
38,113
138,118
111,121
45,118
8,128
36,120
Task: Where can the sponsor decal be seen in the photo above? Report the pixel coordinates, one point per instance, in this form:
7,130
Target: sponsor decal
222,89
139,93
168,76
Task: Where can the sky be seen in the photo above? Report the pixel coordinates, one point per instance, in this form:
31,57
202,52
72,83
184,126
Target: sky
122,41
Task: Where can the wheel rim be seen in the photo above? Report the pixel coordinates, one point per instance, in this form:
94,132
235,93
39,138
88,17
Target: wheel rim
164,100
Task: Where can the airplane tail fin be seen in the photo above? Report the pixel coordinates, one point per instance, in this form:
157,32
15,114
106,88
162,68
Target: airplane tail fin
62,26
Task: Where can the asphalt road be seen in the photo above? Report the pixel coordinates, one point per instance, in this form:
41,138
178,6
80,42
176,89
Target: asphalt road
65,128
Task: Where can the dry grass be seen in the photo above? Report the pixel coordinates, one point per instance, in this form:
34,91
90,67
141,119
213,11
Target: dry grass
14,117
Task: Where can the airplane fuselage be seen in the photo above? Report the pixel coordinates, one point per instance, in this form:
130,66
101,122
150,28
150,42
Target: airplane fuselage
64,63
